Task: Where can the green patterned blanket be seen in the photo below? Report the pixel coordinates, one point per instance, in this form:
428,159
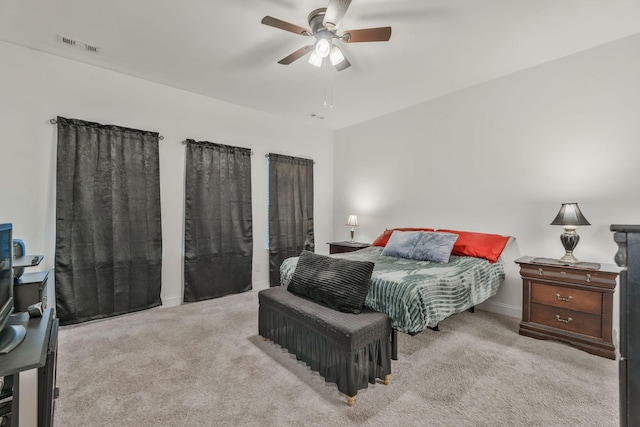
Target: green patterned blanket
418,294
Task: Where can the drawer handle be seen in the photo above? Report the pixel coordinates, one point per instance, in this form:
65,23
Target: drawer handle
541,271
567,299
588,278
563,320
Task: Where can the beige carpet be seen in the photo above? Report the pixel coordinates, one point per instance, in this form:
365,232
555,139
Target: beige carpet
202,364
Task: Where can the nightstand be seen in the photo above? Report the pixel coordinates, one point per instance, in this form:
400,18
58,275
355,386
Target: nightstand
569,302
342,247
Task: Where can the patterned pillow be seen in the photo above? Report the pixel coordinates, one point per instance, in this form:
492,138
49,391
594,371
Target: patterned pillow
339,283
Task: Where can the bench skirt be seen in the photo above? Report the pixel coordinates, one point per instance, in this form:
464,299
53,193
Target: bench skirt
350,350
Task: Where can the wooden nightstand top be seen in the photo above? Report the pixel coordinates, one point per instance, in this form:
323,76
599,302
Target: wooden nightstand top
552,262
347,244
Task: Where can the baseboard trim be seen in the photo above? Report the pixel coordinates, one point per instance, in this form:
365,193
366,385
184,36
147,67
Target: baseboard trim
258,286
501,308
175,301
171,301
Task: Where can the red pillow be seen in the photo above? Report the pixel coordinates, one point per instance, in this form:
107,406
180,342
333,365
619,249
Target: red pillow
382,239
479,245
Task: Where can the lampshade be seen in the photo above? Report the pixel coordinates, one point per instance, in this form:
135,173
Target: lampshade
315,60
322,48
570,215
336,56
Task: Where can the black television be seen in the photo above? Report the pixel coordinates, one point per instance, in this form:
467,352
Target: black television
10,335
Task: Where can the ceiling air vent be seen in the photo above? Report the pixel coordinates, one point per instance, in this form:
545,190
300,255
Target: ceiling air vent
78,44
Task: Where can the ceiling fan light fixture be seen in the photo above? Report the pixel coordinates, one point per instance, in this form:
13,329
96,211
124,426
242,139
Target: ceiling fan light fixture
322,48
315,59
324,23
336,56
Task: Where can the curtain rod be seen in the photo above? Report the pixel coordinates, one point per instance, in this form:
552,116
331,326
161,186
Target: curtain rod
184,142
54,121
314,162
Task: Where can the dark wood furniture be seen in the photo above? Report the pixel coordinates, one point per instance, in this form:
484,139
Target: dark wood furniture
47,390
342,247
628,239
571,303
37,351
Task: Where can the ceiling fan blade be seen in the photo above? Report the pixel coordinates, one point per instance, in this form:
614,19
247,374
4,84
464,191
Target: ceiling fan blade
343,64
283,25
335,12
296,55
381,34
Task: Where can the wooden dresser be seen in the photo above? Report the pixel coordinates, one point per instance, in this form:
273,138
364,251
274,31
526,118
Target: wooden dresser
570,303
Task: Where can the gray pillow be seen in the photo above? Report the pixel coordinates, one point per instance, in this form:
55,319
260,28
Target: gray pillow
421,245
401,244
339,283
435,247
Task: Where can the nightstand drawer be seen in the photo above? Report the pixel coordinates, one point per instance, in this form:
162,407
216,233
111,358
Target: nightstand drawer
568,320
567,298
343,247
569,275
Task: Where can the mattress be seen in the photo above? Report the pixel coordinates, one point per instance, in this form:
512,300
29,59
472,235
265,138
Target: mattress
420,294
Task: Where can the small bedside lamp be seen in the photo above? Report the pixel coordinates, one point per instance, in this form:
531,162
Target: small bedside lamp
570,218
353,223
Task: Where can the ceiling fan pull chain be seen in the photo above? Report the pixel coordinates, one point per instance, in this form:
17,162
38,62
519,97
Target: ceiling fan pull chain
330,72
328,87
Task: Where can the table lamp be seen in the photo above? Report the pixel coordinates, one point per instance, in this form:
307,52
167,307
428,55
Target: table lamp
353,223
570,218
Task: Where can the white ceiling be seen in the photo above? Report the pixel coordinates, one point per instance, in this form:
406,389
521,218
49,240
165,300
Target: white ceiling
218,48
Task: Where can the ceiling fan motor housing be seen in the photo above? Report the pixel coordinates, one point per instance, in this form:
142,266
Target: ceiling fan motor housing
316,19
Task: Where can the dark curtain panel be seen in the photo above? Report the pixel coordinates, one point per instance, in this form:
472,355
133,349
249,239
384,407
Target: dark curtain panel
290,210
218,221
108,226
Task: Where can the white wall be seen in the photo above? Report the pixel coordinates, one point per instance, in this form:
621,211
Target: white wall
502,156
35,87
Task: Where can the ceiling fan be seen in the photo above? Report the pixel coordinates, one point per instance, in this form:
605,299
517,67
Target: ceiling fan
324,23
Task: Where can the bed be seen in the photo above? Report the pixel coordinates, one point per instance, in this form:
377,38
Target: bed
420,294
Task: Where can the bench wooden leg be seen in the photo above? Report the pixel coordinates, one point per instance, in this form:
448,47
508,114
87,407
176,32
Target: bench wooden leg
387,379
351,400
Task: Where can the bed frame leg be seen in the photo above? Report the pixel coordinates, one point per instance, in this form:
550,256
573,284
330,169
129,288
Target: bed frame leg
394,344
472,309
351,400
387,379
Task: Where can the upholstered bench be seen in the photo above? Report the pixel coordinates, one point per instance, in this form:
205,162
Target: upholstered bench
350,350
